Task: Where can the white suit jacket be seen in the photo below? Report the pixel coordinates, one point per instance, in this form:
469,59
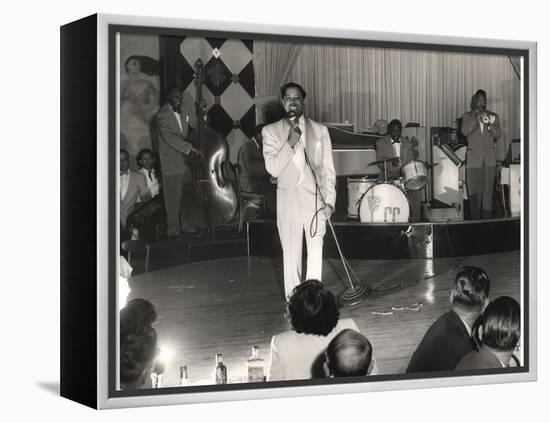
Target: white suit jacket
297,356
296,201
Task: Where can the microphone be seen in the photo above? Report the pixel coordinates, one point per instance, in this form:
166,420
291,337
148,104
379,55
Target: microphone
295,132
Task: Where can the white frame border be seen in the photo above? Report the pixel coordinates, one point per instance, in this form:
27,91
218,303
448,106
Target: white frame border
103,400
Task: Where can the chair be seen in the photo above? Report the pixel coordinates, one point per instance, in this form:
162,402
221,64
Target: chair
245,198
135,246
149,219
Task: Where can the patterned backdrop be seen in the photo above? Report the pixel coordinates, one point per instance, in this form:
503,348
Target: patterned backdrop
229,87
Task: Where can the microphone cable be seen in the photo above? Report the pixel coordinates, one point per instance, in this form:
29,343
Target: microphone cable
315,222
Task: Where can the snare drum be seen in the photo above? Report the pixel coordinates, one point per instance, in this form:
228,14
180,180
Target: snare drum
399,183
384,203
356,189
415,175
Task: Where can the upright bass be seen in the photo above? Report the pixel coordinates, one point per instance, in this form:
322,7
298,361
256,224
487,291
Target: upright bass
211,200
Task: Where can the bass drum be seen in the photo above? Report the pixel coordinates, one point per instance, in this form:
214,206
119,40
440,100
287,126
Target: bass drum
357,187
384,203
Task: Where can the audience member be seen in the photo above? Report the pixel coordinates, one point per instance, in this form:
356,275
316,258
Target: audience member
138,343
137,355
146,162
348,354
132,185
314,316
137,314
497,333
449,337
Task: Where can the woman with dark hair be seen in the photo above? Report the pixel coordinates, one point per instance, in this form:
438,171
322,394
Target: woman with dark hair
139,102
137,314
314,316
138,350
138,342
497,333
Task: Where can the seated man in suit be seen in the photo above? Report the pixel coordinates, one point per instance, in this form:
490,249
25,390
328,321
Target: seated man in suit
314,317
449,338
149,217
349,354
146,162
497,333
254,177
405,150
132,186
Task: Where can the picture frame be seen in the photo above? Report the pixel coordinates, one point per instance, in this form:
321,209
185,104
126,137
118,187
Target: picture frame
91,68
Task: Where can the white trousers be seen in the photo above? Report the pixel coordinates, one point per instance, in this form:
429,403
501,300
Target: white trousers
291,236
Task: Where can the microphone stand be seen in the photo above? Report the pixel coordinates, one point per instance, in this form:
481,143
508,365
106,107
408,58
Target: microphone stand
356,292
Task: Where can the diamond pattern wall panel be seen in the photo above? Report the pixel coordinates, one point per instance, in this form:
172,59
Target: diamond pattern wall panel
235,139
236,101
229,86
216,76
246,79
193,48
190,93
220,120
235,55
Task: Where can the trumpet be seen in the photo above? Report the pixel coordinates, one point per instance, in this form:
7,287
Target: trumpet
487,118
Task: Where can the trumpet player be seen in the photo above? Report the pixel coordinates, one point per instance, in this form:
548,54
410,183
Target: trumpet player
482,128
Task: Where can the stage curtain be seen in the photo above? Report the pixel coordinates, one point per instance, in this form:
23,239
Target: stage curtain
361,85
516,64
273,62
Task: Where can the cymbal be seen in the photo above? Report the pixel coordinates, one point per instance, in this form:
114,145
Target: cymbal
381,161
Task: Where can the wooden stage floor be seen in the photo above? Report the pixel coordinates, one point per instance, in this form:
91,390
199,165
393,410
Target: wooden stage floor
228,305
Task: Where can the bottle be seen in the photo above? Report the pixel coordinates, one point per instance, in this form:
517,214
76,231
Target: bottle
256,366
156,374
184,376
220,372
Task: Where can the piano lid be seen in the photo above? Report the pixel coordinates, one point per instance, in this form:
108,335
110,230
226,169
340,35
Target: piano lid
342,140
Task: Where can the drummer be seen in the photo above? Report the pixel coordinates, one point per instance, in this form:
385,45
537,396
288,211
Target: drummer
404,150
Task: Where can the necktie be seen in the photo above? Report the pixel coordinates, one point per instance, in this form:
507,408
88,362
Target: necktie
299,157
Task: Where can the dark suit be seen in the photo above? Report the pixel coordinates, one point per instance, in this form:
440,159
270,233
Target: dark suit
480,163
174,161
443,345
385,150
408,152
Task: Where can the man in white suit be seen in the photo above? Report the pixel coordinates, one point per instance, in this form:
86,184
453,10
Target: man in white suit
298,152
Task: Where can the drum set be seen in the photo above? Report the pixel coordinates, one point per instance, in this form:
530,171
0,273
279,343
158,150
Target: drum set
385,201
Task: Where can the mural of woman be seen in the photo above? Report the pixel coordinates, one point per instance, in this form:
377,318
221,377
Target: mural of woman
139,102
